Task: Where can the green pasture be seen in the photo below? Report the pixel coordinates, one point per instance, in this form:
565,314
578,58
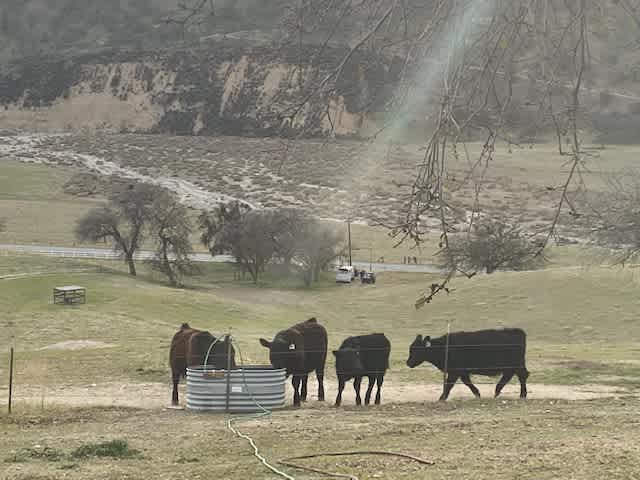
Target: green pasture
581,322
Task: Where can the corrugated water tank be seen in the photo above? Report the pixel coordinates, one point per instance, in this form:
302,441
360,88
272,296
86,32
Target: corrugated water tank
235,390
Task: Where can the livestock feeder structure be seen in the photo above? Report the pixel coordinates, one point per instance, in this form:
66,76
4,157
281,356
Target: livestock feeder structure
250,388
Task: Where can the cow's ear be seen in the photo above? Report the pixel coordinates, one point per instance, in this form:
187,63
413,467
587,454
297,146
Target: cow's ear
418,339
427,341
265,343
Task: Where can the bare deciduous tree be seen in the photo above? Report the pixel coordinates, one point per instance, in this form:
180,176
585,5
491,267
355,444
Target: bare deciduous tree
122,221
613,216
170,230
491,245
287,225
248,235
317,246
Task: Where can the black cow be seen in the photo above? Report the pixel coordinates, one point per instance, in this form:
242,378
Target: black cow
484,352
366,355
300,349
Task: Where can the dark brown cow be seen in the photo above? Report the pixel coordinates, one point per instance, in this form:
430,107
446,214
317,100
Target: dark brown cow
189,347
300,349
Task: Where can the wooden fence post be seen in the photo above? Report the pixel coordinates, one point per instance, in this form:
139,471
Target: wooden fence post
228,340
10,379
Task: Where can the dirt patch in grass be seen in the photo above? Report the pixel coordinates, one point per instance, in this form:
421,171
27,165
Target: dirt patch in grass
157,395
77,345
582,365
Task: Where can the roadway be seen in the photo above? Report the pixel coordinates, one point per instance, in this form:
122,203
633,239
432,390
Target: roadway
110,254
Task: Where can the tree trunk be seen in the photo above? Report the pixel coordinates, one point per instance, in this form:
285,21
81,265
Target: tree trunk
132,265
167,266
287,263
316,273
307,276
254,275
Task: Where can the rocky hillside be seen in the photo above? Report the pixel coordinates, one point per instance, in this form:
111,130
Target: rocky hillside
217,89
119,66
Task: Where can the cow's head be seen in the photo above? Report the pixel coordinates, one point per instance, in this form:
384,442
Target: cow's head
418,351
348,362
283,352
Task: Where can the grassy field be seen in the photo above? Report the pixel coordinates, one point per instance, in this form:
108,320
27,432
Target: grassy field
539,440
582,332
34,205
585,334
581,324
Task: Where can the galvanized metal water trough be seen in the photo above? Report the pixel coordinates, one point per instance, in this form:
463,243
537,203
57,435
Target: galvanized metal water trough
235,391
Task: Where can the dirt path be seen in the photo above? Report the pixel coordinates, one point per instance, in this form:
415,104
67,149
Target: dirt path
157,395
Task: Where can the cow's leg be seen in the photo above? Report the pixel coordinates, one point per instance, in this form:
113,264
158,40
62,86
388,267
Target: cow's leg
303,390
295,381
506,376
523,374
449,382
372,381
467,381
176,379
380,379
340,389
356,386
320,377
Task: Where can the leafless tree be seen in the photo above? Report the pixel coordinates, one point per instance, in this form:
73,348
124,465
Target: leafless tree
170,227
288,223
491,245
317,246
122,221
249,235
613,216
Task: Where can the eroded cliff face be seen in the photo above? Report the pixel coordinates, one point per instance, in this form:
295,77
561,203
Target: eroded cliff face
217,90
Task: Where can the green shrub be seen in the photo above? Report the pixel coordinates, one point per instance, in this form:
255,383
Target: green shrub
112,448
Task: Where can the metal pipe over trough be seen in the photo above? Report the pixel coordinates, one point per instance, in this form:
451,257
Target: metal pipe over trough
234,391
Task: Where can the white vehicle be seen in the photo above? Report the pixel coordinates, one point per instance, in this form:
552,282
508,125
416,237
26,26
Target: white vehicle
344,274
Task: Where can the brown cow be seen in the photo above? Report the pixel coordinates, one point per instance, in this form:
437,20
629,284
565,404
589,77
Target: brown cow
189,347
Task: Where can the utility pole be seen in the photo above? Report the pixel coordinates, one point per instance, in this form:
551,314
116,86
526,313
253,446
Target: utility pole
349,235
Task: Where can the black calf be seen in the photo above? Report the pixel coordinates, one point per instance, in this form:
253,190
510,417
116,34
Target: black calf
365,355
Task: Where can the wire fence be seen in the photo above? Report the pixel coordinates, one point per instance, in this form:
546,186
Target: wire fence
90,373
